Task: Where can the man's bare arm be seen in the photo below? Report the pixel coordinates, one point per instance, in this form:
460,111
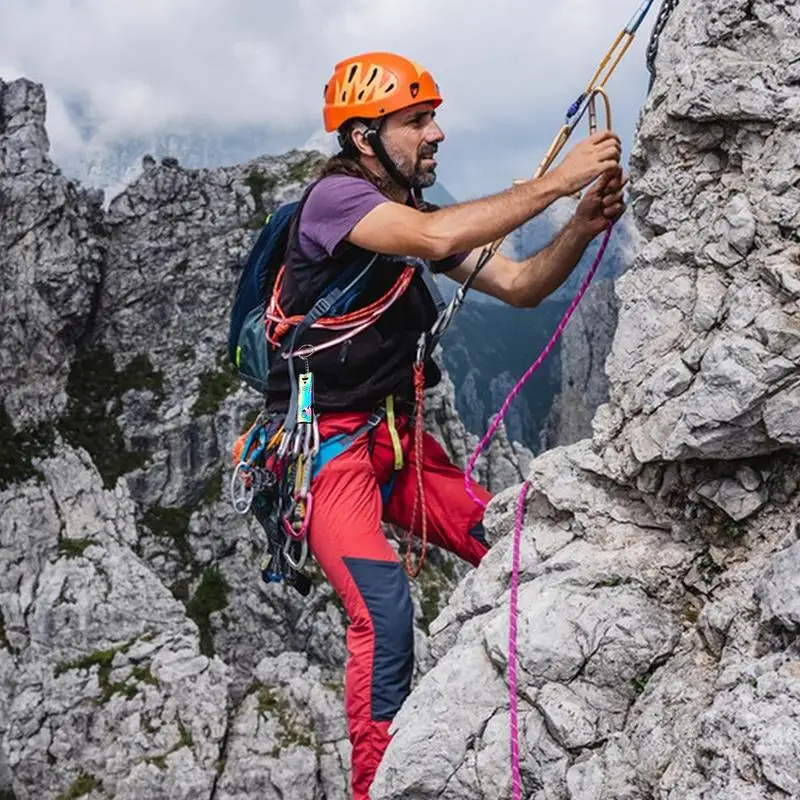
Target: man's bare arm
396,229
525,284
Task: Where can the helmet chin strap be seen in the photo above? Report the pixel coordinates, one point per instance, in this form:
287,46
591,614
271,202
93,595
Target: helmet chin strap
373,137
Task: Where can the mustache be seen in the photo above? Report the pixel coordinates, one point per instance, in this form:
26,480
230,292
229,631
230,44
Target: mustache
427,152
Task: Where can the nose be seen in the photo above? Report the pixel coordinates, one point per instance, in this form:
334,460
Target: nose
436,134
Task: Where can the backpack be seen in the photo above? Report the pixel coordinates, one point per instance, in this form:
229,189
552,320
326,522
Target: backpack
247,342
248,349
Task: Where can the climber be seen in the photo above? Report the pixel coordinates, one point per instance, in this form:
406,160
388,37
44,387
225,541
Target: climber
367,201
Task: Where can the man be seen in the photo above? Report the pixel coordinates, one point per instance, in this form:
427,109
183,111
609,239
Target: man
368,202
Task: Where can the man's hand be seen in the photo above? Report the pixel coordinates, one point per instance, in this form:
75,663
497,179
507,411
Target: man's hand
596,155
602,203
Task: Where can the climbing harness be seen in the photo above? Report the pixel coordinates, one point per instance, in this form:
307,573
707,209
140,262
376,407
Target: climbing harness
586,103
664,13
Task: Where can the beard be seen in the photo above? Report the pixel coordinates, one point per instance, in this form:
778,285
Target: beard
418,176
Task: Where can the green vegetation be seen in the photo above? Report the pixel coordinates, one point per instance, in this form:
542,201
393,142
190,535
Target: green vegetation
72,548
271,704
215,386
173,524
212,489
211,595
212,591
259,184
185,353
303,169
83,784
103,660
20,448
95,390
184,740
433,582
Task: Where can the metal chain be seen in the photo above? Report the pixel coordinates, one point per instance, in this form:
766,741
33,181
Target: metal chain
667,7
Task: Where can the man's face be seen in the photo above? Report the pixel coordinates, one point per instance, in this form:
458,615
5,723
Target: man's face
411,137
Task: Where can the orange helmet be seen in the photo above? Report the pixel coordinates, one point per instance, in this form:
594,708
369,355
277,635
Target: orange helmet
371,85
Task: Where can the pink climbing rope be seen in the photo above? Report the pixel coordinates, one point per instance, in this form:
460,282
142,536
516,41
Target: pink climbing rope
520,515
484,443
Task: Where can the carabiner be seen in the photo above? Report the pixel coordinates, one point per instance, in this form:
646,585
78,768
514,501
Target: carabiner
295,524
242,490
298,564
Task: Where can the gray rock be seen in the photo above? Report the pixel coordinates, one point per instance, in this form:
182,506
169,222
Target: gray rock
736,500
779,589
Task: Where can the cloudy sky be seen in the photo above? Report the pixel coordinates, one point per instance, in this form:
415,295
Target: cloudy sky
508,68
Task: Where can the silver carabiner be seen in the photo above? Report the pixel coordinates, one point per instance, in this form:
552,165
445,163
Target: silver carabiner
297,443
315,426
301,561
308,439
241,494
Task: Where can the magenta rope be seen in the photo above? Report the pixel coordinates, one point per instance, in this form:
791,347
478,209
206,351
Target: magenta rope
484,443
520,516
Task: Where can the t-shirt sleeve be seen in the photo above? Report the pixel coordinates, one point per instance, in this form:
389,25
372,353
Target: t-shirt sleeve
333,208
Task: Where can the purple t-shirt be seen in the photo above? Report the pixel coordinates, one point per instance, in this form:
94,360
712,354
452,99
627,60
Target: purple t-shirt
334,207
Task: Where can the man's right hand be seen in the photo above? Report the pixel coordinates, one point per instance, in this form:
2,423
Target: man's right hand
598,153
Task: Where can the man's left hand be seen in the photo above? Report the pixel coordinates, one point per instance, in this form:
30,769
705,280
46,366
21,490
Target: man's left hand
602,203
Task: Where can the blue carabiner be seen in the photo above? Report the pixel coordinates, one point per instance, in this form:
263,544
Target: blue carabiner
638,18
248,457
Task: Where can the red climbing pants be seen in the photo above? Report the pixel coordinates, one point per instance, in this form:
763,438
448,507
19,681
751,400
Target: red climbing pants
346,539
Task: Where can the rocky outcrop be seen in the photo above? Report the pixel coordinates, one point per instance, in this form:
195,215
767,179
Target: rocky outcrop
585,345
141,655
657,625
52,259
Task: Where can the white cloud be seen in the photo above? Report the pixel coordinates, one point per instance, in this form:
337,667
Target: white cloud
155,65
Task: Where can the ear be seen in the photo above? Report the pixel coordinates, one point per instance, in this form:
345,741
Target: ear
360,142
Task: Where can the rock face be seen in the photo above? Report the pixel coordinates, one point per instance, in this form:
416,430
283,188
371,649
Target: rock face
658,603
141,655
585,345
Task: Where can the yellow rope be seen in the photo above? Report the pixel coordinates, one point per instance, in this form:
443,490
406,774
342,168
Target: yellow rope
395,437
595,89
